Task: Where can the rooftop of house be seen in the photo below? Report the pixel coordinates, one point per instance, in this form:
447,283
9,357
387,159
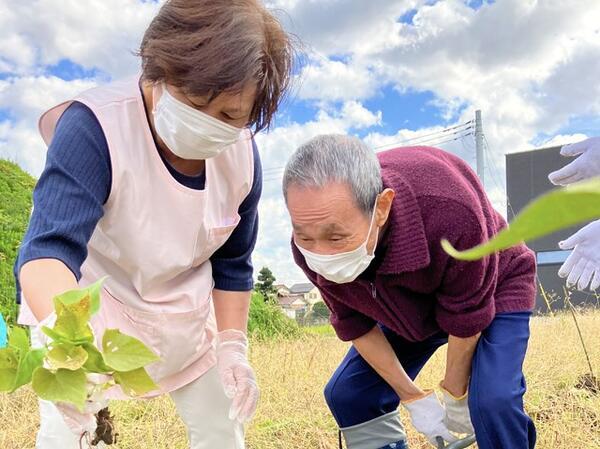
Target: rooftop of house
289,299
300,289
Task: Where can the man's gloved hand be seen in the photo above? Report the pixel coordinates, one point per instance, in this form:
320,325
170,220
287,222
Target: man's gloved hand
237,376
582,267
427,416
586,166
457,418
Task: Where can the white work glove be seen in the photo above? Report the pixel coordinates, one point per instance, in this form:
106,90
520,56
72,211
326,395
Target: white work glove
427,416
458,418
586,166
38,338
582,267
237,376
85,421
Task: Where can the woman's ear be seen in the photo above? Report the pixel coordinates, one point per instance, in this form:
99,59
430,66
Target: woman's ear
384,206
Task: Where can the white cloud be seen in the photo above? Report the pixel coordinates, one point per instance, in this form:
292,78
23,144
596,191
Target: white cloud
26,98
563,139
327,80
92,33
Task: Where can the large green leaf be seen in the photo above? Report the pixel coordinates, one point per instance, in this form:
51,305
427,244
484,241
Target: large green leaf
27,365
556,210
93,290
8,368
67,356
63,386
95,361
18,339
125,353
136,382
72,320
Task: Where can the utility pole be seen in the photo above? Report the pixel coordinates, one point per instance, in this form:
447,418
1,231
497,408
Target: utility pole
479,146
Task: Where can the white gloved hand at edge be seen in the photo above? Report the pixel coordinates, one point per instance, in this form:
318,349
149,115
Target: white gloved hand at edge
582,267
586,166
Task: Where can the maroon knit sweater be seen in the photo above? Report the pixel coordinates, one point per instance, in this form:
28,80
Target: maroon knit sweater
413,287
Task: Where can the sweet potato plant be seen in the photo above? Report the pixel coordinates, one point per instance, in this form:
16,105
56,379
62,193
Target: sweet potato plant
58,372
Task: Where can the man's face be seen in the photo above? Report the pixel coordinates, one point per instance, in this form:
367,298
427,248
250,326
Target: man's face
327,220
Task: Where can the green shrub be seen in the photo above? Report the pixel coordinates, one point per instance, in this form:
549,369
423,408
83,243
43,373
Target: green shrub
16,189
267,321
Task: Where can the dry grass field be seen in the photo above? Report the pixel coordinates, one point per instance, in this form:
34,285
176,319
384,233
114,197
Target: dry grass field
293,415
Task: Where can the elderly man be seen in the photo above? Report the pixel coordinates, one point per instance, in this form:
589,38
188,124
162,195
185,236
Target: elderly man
367,231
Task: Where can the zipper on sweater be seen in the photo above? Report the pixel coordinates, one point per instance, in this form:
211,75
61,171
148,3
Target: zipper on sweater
373,290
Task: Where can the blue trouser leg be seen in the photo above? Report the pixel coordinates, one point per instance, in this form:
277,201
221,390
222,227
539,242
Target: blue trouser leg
497,385
356,394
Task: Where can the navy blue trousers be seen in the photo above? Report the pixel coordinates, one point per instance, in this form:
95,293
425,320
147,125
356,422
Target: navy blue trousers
356,394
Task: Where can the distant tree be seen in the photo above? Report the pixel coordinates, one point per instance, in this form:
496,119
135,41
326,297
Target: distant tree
265,283
320,310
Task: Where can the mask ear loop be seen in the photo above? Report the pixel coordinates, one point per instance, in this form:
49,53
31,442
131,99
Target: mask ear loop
373,215
157,88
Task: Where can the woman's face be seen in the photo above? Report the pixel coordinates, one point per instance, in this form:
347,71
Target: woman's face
231,108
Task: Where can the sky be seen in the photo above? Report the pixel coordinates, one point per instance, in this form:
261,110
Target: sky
387,71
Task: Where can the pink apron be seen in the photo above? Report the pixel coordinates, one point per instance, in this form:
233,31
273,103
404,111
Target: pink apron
156,237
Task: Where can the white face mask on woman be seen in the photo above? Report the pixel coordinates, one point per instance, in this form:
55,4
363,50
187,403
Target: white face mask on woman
343,267
187,132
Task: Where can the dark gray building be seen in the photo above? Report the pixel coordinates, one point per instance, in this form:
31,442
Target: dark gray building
526,179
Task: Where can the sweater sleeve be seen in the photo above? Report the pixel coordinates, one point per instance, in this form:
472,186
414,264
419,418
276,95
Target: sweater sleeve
232,263
465,298
69,196
348,323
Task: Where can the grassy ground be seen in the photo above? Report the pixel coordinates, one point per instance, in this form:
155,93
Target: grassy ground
15,202
293,414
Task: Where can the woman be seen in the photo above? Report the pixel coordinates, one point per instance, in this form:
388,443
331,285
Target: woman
154,182
367,232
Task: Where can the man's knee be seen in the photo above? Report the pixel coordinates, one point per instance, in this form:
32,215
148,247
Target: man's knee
340,395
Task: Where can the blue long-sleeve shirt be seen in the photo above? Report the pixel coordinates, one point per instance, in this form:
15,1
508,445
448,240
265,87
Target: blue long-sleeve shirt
70,195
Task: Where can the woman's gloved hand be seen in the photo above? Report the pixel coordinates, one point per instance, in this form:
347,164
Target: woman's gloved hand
582,267
84,421
586,166
427,416
38,338
236,374
457,418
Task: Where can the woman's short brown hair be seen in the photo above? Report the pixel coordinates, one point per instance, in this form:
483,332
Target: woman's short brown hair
207,47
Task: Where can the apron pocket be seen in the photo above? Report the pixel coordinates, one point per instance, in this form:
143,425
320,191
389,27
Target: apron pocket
179,339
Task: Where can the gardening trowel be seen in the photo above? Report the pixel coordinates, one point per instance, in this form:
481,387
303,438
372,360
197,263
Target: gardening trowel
460,444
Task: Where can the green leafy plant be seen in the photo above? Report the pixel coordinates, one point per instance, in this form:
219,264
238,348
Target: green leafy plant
58,372
551,212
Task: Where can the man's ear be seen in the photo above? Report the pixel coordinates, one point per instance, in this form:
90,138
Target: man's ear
384,206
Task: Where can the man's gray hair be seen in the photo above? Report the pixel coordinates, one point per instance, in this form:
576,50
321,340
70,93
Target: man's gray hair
336,158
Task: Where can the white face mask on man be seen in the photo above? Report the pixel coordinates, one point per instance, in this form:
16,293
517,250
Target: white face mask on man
343,267
187,132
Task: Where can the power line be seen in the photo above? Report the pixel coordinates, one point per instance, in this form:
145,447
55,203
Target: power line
467,126
431,141
274,176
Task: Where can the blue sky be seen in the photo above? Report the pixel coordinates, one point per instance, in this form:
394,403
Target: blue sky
386,70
